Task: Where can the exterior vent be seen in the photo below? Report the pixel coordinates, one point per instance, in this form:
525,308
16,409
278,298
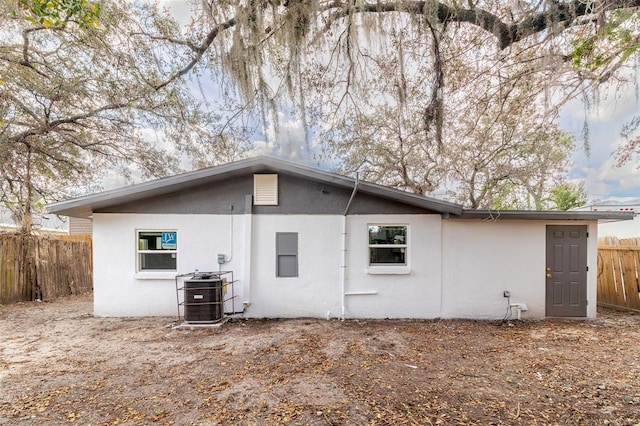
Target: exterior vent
265,190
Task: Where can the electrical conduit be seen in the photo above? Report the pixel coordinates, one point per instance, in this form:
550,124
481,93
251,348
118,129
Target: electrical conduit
343,267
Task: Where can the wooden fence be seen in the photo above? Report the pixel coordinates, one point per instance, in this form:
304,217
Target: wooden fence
44,267
619,273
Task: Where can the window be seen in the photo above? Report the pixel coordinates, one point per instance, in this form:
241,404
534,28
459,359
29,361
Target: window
286,254
388,245
157,250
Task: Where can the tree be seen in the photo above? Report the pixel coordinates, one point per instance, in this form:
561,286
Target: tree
507,152
630,149
502,148
592,39
82,89
78,80
567,196
325,59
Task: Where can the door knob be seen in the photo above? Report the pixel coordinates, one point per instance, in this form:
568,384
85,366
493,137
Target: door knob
548,275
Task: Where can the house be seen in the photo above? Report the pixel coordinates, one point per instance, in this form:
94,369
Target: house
303,242
618,229
80,226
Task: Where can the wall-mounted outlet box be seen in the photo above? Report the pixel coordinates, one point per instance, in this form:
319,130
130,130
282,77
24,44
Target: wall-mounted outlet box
506,293
221,259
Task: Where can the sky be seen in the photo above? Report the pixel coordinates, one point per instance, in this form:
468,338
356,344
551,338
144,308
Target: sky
594,166
603,180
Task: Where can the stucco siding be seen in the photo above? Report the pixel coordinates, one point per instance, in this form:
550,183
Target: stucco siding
412,293
484,258
455,268
315,292
121,291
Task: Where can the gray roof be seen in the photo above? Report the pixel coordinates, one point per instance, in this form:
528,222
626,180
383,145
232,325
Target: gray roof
84,207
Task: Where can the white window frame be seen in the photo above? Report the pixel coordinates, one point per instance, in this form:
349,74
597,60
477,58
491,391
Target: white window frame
389,268
154,273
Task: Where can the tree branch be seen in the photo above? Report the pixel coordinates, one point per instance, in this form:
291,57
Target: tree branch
506,33
199,51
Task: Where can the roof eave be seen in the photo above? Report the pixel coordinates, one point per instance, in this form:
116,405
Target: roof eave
546,215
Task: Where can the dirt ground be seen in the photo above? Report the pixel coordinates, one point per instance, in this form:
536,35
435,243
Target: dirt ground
60,365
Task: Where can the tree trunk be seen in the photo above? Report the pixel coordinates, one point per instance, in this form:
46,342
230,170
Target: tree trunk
27,223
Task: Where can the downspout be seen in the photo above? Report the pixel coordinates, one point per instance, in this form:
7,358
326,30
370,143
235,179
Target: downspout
343,267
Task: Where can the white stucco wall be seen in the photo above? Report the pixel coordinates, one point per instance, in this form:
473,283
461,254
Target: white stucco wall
315,292
484,258
481,259
410,293
456,268
120,291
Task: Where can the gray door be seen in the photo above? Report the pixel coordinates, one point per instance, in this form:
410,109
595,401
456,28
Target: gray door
566,271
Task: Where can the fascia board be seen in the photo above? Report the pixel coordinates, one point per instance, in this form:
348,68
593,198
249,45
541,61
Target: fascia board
545,215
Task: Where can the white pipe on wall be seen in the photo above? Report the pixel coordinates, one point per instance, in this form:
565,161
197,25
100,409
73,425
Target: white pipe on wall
343,267
230,236
248,239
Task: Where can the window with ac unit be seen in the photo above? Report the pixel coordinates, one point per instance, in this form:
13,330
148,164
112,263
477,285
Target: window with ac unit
157,250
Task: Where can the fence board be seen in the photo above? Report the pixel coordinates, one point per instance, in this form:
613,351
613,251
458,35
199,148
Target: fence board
44,267
631,280
619,272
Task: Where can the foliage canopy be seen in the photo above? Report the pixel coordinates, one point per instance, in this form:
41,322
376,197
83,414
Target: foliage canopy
84,91
389,85
422,95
